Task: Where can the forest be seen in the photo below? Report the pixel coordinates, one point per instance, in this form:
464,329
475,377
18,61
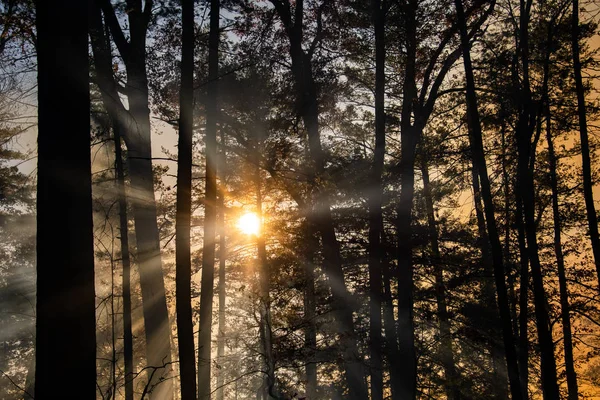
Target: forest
299,199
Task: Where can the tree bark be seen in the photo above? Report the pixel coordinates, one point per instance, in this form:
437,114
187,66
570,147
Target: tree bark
586,163
65,307
208,251
185,327
446,348
476,140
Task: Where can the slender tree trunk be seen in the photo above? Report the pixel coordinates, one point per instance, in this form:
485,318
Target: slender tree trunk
65,307
523,299
375,203
406,338
113,339
134,124
524,132
222,275
126,262
389,322
446,348
208,252
499,373
266,333
321,218
409,137
507,230
475,137
185,327
586,163
560,263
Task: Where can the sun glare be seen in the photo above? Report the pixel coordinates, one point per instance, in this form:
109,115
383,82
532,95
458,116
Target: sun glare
249,224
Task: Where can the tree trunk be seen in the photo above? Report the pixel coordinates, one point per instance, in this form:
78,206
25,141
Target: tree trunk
65,307
586,163
560,263
499,377
476,140
208,252
134,124
524,132
523,299
446,348
222,275
405,328
126,262
320,217
185,327
375,213
389,322
409,138
266,332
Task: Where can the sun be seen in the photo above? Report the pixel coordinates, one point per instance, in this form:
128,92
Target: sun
249,224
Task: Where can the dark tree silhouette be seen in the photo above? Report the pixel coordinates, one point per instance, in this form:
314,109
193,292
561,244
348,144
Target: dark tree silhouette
210,208
476,144
185,328
66,325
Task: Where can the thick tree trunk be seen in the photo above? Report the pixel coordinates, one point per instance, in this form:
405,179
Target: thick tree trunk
560,264
185,327
65,307
126,262
586,163
446,348
208,251
476,140
375,213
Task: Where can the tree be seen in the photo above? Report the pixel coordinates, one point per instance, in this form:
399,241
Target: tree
375,200
210,208
185,328
66,325
590,208
476,143
134,123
